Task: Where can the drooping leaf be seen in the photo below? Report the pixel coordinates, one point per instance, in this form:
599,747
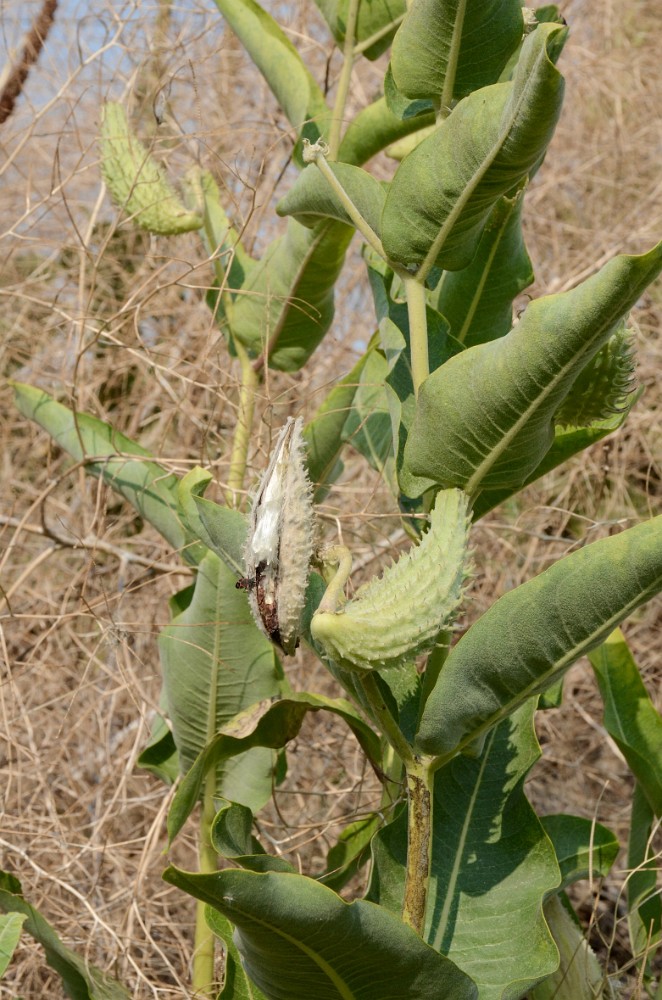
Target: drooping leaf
124,465
298,940
443,192
280,64
323,432
450,47
222,529
351,851
311,199
497,401
82,980
583,848
378,17
644,895
567,443
478,301
492,865
286,305
268,724
532,634
214,651
160,755
10,933
232,837
630,717
375,128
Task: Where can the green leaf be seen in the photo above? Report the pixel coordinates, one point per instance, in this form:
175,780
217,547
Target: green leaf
351,851
299,940
400,105
286,305
375,128
584,849
566,444
160,755
232,837
491,865
323,432
532,634
478,301
579,975
450,47
280,64
643,892
630,717
10,933
443,192
268,724
378,17
214,650
311,199
236,984
368,424
496,402
82,980
124,465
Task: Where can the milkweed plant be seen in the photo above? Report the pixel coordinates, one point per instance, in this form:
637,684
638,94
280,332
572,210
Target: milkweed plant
466,885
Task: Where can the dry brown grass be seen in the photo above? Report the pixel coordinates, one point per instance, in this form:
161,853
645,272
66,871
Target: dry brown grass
117,321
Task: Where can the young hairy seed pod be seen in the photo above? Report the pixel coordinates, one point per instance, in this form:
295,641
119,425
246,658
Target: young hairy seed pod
602,388
136,181
399,615
280,541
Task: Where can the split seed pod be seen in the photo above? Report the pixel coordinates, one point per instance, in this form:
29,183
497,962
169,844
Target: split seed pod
399,615
136,181
280,541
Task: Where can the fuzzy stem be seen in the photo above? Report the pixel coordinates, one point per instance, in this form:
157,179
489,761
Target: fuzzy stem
203,955
385,30
419,843
333,595
383,717
244,426
418,331
344,81
453,57
363,227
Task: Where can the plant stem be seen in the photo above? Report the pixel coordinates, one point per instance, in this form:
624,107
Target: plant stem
418,331
419,843
389,726
244,426
361,224
453,56
205,943
333,595
344,81
385,30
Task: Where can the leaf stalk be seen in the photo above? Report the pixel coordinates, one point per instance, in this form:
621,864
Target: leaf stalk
344,79
418,331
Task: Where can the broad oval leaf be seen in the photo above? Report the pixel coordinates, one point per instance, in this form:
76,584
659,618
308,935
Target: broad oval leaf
492,865
298,940
532,634
376,23
496,402
447,48
584,849
280,64
125,466
478,301
311,199
213,652
443,192
286,306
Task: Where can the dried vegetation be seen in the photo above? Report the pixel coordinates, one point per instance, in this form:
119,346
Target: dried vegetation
116,322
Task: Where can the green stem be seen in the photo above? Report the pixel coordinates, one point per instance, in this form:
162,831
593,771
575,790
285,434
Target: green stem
361,224
345,78
453,57
244,425
385,720
334,594
435,662
418,331
419,843
204,949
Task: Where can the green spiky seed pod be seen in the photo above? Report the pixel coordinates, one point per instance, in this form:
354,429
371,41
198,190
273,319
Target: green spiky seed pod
602,388
399,615
280,541
136,181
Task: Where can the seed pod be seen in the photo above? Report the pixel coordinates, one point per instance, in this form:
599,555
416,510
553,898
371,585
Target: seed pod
602,388
399,615
136,181
280,541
